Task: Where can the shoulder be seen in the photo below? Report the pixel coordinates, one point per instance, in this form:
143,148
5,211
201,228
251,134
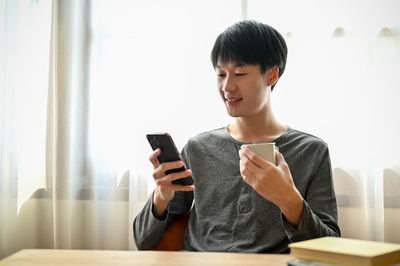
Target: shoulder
209,141
302,144
209,137
203,145
298,137
305,154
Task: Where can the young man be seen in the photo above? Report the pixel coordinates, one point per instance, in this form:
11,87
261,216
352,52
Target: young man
242,202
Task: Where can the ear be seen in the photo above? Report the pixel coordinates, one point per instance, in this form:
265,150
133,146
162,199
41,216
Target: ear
272,76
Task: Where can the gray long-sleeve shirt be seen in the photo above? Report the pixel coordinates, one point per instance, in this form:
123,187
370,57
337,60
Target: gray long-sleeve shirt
229,215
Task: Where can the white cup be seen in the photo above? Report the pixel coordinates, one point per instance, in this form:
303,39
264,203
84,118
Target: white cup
264,150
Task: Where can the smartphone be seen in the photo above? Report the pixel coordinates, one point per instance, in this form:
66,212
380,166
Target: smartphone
169,153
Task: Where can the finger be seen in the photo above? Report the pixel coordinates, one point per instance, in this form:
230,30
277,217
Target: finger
167,179
248,176
175,176
245,163
173,187
242,155
171,165
182,188
279,158
250,155
168,188
162,168
281,163
153,158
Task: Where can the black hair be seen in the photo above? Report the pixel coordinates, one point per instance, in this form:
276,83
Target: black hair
252,43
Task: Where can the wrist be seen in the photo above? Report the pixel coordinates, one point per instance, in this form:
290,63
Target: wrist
160,205
293,208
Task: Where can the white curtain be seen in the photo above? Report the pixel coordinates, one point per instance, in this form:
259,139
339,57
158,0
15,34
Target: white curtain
151,72
82,82
80,86
25,28
342,84
52,195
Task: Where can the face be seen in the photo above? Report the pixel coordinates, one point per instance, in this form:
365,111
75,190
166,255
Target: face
243,88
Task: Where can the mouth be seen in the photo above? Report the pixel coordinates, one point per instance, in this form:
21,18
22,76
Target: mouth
233,101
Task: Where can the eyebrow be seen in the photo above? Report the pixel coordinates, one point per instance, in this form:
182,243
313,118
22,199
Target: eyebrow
237,65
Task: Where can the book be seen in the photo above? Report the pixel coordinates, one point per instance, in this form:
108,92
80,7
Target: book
299,262
346,251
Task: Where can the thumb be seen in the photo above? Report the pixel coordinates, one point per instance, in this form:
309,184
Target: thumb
279,159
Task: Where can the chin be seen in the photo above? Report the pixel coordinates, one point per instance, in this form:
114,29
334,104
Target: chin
233,114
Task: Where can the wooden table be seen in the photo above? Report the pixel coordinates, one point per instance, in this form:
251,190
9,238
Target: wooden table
114,258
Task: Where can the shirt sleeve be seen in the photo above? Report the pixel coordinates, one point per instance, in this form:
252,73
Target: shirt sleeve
148,230
319,217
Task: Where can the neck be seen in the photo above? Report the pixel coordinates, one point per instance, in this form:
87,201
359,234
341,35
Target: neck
260,127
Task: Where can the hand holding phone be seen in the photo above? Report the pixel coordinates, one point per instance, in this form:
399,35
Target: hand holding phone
169,153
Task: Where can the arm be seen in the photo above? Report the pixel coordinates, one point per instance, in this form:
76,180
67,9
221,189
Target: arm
167,202
319,217
148,229
314,216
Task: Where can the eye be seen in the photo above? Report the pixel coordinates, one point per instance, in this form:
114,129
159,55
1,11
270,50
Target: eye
221,75
240,74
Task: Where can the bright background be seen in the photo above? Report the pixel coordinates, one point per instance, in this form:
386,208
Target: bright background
82,82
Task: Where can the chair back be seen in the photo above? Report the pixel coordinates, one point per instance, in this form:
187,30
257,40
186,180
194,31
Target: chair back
174,235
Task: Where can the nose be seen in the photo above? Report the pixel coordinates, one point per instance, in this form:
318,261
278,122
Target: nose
229,84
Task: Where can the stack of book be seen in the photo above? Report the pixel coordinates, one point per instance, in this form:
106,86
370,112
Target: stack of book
333,250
